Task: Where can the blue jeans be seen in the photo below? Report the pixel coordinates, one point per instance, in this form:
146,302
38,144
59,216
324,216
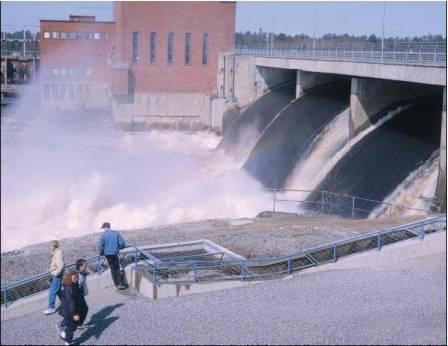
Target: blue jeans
55,289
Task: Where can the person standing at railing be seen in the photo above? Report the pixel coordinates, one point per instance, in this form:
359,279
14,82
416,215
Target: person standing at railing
56,271
73,307
109,246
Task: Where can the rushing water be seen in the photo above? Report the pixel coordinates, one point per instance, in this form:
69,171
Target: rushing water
415,192
62,175
375,165
292,132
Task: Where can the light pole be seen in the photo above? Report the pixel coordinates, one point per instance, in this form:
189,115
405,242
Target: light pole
314,29
382,36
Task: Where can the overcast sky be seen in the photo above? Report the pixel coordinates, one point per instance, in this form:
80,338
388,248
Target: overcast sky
355,18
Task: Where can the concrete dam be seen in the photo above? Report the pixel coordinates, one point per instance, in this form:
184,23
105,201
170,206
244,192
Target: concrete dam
394,128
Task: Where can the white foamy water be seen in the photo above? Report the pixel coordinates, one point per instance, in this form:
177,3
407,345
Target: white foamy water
307,172
416,191
62,175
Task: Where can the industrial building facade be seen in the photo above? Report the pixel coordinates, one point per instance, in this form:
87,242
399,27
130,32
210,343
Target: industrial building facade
157,62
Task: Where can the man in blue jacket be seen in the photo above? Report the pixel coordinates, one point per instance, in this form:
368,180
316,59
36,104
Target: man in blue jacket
109,246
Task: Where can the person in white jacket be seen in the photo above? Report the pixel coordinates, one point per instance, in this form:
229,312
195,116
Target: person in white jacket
56,271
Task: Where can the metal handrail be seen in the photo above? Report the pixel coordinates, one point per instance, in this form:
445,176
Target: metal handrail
328,245
245,264
353,199
417,55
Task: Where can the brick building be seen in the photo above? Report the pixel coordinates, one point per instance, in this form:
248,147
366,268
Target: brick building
157,62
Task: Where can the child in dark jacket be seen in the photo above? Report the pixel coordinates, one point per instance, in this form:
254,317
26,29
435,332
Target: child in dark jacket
73,307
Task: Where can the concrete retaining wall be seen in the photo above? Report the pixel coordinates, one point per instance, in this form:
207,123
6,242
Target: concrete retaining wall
190,110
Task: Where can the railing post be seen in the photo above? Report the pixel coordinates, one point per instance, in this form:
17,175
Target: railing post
194,271
155,271
322,202
273,207
135,258
422,232
242,271
378,242
98,265
334,254
289,265
353,206
6,296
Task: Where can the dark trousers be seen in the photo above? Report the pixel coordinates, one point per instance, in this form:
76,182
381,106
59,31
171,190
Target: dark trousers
69,328
114,266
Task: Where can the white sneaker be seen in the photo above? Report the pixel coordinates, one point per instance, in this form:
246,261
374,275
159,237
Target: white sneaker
50,311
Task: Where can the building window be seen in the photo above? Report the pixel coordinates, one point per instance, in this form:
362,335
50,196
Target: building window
46,92
71,92
63,35
54,71
55,35
152,50
72,35
188,48
46,34
62,90
205,49
104,35
90,36
170,47
54,91
97,36
63,71
71,71
79,91
135,56
82,35
88,72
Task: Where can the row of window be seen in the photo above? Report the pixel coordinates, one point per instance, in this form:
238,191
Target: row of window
62,35
71,71
170,48
60,92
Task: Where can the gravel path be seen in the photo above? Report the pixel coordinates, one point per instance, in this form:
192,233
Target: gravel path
403,304
256,237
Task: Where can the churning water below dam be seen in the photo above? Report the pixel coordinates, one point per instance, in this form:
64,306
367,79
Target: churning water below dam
63,174
292,131
384,158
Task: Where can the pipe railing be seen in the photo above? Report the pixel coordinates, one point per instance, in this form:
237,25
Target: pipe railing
242,269
414,55
350,202
372,240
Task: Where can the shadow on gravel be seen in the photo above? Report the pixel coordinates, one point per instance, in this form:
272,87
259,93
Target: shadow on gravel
98,323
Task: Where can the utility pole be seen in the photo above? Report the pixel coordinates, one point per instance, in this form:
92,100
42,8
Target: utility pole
382,36
24,43
314,27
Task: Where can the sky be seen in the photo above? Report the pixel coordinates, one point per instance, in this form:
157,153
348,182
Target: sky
401,18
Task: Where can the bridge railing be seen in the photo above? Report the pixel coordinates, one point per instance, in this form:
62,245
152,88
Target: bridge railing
421,55
328,202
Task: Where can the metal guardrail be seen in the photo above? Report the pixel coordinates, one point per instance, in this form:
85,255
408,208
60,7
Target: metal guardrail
192,270
355,205
407,56
250,269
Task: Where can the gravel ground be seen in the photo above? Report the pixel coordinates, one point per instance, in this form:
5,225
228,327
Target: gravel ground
402,304
257,237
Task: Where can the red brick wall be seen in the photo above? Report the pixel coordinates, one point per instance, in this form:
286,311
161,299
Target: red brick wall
76,53
215,18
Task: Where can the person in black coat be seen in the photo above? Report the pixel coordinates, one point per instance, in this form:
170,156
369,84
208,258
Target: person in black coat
73,308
